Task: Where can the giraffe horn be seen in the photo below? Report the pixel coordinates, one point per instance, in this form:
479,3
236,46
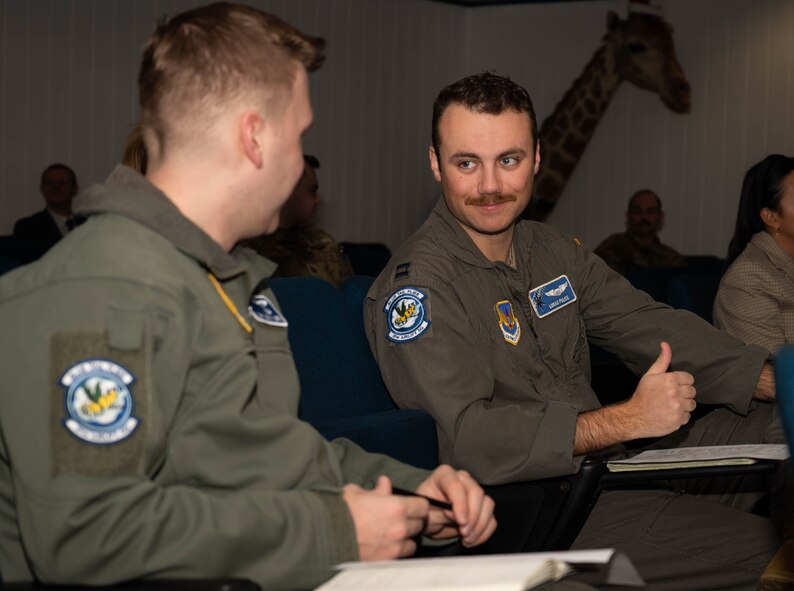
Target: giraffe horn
645,7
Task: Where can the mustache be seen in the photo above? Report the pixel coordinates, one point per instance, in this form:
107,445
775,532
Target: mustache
490,199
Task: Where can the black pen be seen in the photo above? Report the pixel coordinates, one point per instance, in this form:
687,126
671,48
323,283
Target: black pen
434,502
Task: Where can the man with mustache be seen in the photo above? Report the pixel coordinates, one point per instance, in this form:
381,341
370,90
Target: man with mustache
640,244
483,320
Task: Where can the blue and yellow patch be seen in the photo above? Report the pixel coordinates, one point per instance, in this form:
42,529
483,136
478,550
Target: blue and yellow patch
552,296
511,329
99,402
406,316
264,311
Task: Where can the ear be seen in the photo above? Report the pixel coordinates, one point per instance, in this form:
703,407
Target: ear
252,128
537,157
769,217
434,165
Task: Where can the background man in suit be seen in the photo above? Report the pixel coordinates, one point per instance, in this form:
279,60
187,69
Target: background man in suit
58,187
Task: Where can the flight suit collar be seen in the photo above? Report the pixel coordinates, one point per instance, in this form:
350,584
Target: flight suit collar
127,193
460,245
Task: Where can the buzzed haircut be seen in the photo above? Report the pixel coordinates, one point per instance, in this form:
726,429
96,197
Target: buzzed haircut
199,60
643,192
484,93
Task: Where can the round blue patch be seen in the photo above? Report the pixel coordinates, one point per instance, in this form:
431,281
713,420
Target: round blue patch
406,316
263,311
99,402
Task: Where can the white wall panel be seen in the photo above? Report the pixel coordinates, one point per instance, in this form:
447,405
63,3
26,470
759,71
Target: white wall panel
68,93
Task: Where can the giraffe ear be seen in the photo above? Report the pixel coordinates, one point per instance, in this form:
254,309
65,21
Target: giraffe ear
613,21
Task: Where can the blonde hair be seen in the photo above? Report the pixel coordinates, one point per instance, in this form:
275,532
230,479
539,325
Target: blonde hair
135,151
201,59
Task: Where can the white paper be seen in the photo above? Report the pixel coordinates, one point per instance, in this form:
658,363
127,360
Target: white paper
764,451
501,572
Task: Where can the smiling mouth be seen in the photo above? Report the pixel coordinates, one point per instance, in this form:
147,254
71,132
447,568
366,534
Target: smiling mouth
490,199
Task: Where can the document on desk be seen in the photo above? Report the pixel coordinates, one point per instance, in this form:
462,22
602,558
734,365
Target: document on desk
499,572
699,457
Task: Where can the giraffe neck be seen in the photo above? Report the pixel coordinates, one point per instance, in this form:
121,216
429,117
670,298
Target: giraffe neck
565,133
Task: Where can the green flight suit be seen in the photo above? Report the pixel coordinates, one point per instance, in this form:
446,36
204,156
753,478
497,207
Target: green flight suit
143,431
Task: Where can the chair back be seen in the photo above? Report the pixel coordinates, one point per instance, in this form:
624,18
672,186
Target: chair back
342,393
784,380
695,293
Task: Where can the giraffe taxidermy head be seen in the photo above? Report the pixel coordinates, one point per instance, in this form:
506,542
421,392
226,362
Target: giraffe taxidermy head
645,56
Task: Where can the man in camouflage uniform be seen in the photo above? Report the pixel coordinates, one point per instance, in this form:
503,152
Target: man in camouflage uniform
640,244
297,246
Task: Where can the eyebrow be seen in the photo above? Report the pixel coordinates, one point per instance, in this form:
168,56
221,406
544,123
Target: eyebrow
472,155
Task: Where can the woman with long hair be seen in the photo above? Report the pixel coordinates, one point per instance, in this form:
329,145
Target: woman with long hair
755,301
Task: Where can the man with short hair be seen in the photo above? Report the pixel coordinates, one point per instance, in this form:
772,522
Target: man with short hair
298,247
640,244
148,422
58,187
483,320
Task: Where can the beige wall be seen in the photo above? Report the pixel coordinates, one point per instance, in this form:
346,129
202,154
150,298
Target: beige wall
67,93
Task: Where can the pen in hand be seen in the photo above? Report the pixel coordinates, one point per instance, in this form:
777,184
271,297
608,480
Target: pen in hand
434,502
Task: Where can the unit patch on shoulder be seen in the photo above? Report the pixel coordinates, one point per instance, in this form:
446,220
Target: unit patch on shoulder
511,329
263,311
552,296
99,402
406,316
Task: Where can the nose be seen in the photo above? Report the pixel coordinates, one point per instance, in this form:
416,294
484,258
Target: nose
489,180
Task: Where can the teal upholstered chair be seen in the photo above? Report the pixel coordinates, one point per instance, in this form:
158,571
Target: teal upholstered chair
342,394
784,378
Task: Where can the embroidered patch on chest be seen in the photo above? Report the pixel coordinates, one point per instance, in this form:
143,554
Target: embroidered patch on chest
406,316
552,296
263,311
511,329
99,401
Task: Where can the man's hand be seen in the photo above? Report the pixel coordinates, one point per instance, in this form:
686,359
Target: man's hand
663,400
661,403
765,388
385,523
472,510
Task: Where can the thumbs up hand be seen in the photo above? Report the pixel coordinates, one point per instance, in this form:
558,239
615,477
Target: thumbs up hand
663,400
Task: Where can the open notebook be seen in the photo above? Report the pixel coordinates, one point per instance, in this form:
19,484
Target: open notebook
499,572
699,457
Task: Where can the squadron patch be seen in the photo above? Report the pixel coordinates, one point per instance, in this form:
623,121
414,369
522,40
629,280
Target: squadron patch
406,316
552,296
99,402
511,329
263,311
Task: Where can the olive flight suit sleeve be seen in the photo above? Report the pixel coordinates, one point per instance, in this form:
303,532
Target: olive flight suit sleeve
363,468
631,325
99,502
443,370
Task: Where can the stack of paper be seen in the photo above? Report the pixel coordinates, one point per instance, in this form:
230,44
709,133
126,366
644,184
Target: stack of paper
699,457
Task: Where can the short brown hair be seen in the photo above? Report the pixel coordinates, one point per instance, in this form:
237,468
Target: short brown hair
484,93
206,56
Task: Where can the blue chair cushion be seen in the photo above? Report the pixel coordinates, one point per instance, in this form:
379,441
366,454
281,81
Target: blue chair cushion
338,374
784,383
